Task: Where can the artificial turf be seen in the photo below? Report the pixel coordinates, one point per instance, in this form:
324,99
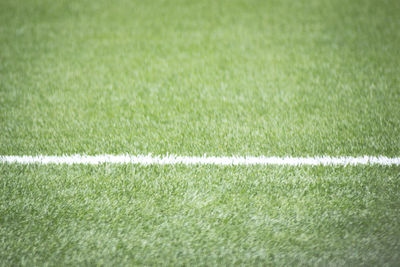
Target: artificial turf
195,77
179,215
274,78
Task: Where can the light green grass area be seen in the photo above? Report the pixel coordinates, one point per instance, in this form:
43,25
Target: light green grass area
123,215
273,78
194,77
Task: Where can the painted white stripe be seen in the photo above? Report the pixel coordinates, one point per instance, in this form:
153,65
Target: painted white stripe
203,160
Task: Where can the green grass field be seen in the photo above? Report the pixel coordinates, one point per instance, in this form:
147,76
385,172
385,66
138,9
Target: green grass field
224,77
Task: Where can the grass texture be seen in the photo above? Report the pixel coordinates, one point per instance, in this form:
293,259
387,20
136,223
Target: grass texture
177,215
194,77
273,78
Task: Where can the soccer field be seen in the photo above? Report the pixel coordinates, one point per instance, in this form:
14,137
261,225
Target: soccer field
223,80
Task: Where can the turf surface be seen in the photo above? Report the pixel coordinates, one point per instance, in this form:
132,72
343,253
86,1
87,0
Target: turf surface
180,215
272,78
194,77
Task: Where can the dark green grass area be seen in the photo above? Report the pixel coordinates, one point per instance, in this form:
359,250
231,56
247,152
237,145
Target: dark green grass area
193,77
177,215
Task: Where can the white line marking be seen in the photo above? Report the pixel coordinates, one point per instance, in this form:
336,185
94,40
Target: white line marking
203,160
